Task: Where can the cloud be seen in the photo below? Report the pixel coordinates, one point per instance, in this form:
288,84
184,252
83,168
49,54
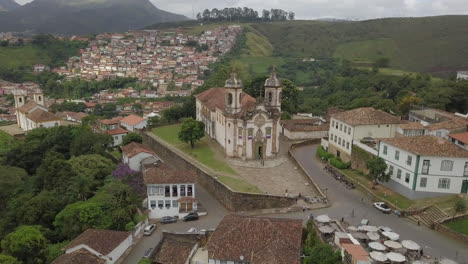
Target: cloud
310,9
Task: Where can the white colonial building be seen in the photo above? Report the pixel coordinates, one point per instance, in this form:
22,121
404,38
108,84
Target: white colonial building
462,75
425,166
357,124
136,155
245,127
170,192
33,114
133,123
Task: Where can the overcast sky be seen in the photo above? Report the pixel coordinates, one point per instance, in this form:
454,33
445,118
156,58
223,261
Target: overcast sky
309,9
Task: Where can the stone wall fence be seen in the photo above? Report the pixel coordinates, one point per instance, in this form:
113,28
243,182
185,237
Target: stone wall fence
206,177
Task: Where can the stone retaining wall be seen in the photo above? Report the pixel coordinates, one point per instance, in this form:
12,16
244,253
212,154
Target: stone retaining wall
440,227
231,200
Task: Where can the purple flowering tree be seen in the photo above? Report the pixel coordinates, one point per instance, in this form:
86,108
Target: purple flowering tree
133,178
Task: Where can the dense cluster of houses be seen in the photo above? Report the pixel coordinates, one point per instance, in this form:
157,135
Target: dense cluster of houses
170,61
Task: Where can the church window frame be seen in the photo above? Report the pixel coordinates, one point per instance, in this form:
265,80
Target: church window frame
250,133
230,99
240,130
268,132
270,97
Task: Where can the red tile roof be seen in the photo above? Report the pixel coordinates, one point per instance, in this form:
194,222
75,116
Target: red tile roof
101,240
134,148
113,121
81,256
117,131
28,107
305,125
427,146
132,120
40,116
366,116
448,125
463,137
174,251
216,98
162,174
357,251
259,240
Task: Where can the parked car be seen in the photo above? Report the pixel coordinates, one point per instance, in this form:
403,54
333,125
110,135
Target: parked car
383,207
168,220
190,217
149,229
148,253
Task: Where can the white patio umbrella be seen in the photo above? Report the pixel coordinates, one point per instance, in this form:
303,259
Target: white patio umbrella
392,244
410,245
368,228
377,246
391,235
373,235
385,229
447,261
396,257
378,256
323,219
352,228
326,229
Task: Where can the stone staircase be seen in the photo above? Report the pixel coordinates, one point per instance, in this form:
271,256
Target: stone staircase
429,216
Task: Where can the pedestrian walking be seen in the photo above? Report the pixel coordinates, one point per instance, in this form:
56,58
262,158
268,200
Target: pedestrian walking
352,213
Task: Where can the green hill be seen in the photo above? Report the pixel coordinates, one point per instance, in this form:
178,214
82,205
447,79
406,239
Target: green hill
428,44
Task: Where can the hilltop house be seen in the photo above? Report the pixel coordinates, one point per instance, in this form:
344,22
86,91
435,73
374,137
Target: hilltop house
117,135
135,155
170,192
245,127
347,128
460,139
425,166
133,122
96,246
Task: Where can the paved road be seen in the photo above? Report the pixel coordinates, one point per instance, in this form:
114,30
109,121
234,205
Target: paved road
346,201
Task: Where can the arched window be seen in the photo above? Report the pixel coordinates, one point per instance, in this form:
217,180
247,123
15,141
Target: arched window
240,98
20,100
270,97
279,96
230,99
39,98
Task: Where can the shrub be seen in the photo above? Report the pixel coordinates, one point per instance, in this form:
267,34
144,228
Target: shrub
338,163
323,153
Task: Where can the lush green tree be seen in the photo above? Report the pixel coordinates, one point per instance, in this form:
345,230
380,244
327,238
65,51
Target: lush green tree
132,137
382,62
290,97
80,188
5,259
377,168
55,250
11,179
93,167
85,142
191,131
405,104
137,108
323,254
40,209
54,173
460,207
27,244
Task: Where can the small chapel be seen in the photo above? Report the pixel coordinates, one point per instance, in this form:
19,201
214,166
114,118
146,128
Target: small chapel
31,114
247,128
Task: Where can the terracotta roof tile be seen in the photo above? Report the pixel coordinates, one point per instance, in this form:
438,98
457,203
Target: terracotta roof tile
174,251
27,107
448,125
134,148
216,98
411,125
113,121
40,116
463,137
259,240
427,146
101,240
162,174
132,120
81,256
305,125
117,131
366,116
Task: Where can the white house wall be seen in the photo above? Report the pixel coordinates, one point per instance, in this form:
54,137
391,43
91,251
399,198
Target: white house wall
115,254
135,162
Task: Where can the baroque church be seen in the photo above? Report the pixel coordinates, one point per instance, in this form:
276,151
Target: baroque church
31,114
246,127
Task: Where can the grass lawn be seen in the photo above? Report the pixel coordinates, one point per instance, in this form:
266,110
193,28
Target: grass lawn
460,226
380,190
26,55
7,142
258,66
205,155
116,154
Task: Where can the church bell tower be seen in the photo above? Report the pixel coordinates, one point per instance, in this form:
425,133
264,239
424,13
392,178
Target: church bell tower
273,89
233,98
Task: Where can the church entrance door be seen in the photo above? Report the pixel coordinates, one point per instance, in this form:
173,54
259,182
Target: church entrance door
259,148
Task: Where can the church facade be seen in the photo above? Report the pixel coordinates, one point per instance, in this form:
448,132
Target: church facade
245,127
33,113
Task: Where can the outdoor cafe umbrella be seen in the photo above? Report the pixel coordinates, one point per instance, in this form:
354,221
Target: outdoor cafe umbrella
391,235
323,219
326,229
377,246
360,236
447,261
410,245
396,257
385,229
352,228
392,244
378,256
373,235
368,228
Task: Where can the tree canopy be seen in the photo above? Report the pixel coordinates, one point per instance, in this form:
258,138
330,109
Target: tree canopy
191,131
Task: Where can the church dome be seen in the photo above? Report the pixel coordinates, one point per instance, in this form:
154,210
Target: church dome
233,82
273,81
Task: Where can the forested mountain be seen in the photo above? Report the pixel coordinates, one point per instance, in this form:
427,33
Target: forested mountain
7,5
84,16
